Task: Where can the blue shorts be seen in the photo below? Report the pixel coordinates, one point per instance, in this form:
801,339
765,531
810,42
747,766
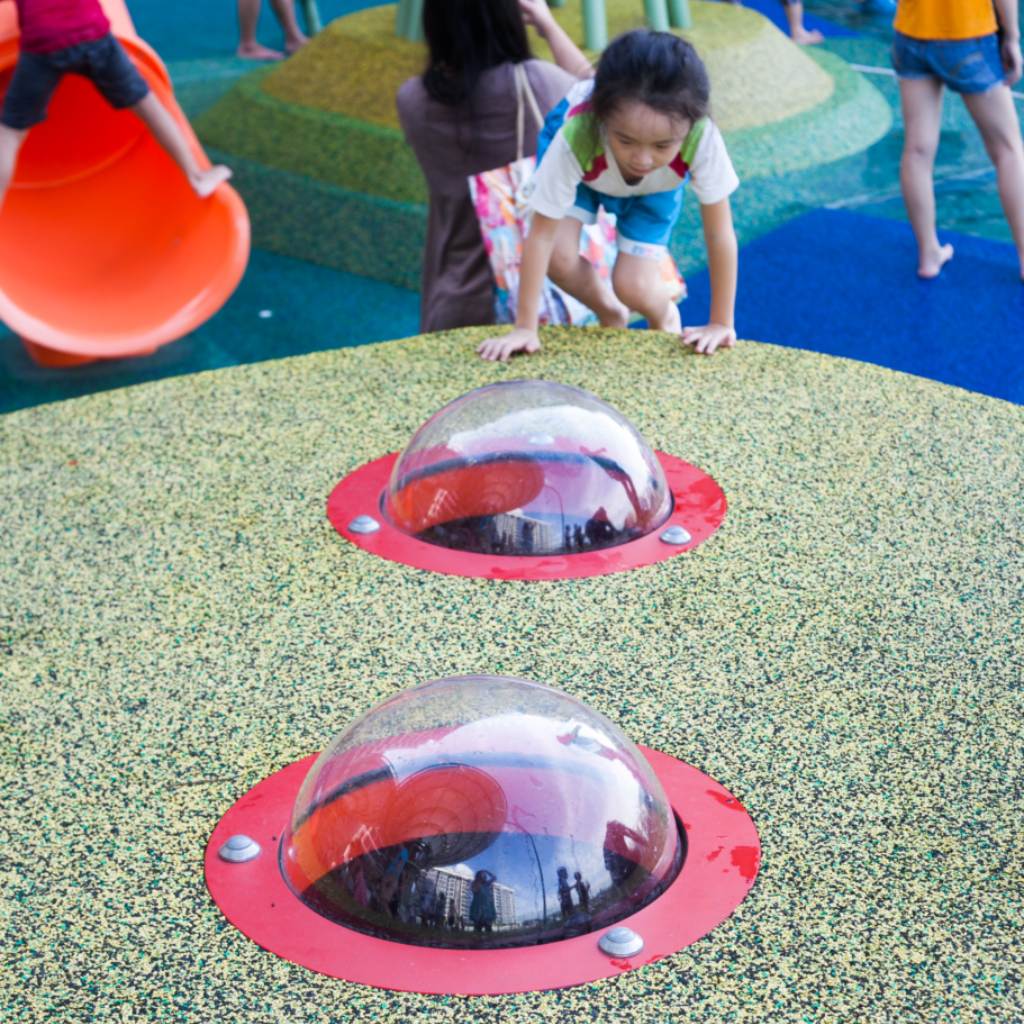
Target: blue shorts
37,75
643,223
965,65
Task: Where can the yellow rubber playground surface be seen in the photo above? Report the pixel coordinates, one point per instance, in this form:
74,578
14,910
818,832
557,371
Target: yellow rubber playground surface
180,620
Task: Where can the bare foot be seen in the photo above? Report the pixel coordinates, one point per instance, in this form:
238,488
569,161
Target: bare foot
256,51
294,45
205,182
931,265
807,37
616,315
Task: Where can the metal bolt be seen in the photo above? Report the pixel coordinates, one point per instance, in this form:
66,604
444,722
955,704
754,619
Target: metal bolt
238,849
621,942
364,524
541,439
676,535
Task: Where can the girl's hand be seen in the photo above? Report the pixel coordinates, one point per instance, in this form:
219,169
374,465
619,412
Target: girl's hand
536,13
709,337
1010,53
520,339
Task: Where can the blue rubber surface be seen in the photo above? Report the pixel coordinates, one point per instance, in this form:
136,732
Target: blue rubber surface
845,284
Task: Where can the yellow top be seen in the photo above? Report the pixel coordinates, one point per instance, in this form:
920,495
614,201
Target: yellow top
945,19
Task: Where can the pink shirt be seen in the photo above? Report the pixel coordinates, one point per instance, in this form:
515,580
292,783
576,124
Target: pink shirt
48,25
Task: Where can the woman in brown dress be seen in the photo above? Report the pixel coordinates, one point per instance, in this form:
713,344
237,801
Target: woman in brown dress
459,116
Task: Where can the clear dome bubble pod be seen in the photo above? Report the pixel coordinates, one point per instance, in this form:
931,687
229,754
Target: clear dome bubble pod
480,812
527,467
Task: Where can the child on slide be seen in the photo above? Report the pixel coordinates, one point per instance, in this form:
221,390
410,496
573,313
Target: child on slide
59,37
628,140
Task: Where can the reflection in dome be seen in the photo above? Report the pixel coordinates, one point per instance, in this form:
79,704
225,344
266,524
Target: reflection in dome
480,812
527,468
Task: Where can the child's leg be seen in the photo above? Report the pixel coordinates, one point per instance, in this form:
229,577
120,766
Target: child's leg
996,118
921,99
28,94
579,277
294,37
639,284
248,47
10,144
795,17
166,131
106,64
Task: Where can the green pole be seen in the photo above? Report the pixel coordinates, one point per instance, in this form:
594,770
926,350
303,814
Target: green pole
311,15
657,14
679,13
409,20
595,25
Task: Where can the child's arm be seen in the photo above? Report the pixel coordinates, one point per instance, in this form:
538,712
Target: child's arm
1009,39
567,54
536,256
720,239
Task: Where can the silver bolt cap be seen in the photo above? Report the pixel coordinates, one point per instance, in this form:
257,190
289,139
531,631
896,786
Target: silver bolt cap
238,849
364,524
621,942
541,439
676,535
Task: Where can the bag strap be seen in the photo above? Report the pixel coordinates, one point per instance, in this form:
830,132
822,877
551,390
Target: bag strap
524,94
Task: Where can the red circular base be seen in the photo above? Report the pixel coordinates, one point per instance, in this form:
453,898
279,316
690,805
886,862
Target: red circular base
723,855
699,508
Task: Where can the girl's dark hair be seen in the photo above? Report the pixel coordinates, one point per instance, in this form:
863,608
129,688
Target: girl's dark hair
466,38
655,68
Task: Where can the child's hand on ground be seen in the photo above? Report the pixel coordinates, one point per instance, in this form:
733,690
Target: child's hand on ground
517,340
707,338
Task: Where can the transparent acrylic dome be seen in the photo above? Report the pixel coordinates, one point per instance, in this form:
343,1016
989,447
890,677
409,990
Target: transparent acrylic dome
527,467
480,812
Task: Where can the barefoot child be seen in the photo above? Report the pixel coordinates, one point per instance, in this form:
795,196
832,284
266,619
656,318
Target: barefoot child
628,141
73,36
955,43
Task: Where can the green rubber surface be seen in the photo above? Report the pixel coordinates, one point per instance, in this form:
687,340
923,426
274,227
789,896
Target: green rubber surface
845,655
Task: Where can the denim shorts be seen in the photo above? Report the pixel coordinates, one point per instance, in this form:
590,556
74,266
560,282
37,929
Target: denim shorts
965,65
37,75
643,223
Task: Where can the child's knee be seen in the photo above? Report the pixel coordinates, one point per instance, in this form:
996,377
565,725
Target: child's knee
564,259
637,286
920,150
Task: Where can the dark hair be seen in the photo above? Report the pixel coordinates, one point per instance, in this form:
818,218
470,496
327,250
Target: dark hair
654,68
466,38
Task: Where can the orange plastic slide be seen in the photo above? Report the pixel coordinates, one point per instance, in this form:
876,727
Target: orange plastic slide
105,251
